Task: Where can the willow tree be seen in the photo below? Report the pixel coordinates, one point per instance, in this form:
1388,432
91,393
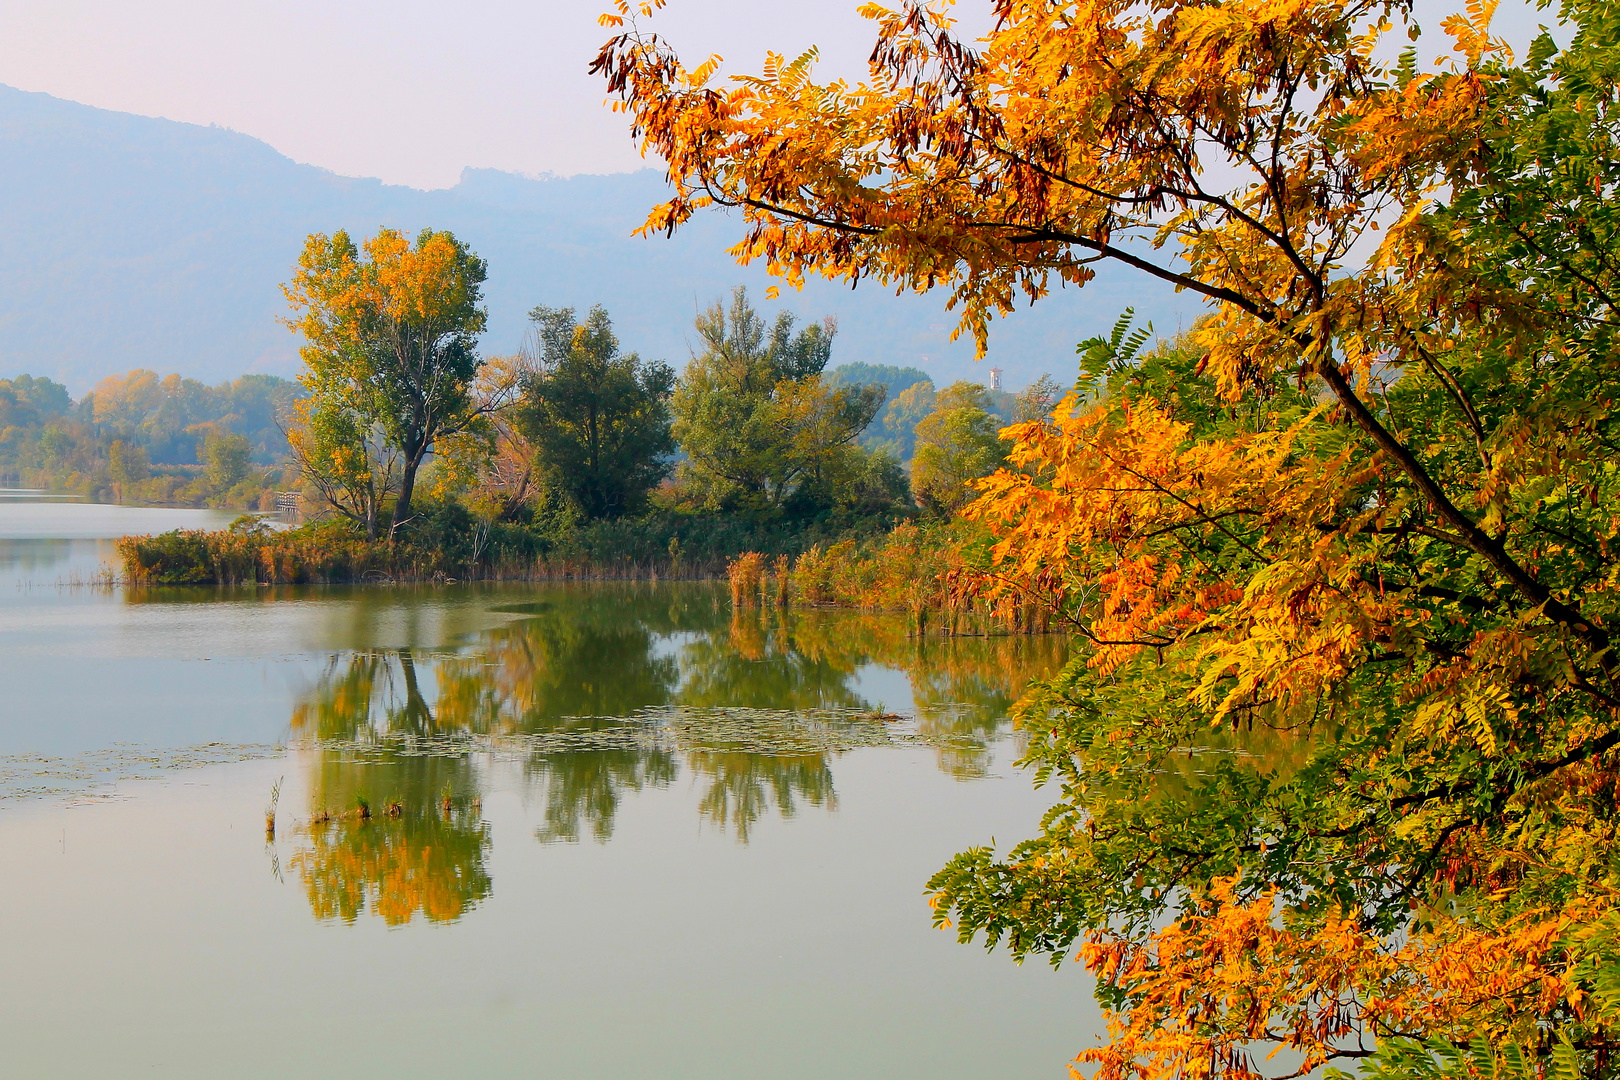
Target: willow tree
390,337
1360,526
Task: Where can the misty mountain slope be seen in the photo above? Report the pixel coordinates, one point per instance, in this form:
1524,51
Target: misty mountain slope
128,241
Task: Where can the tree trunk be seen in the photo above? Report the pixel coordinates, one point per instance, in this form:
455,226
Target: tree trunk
407,486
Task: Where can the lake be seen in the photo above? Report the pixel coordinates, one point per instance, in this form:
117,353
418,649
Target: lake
574,830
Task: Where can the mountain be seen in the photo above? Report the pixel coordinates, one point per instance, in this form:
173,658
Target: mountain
128,241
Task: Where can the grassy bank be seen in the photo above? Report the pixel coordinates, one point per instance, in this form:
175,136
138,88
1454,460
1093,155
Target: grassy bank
447,543
934,574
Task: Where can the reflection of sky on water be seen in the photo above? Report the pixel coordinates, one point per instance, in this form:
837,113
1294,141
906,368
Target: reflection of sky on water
44,542
27,519
28,559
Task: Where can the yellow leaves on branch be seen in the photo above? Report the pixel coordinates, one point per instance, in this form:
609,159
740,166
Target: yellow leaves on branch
1107,497
1073,127
622,10
1234,973
341,291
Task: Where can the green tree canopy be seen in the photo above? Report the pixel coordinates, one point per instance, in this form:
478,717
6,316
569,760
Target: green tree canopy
762,431
225,459
599,419
896,427
26,401
893,379
956,444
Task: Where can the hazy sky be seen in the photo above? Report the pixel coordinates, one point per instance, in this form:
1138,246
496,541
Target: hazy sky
412,91
405,90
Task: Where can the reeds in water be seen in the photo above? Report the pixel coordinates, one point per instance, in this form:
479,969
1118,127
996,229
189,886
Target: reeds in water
782,578
746,573
270,809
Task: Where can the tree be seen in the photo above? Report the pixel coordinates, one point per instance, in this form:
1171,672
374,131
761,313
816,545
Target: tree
599,419
390,341
1036,401
1357,526
126,464
759,426
491,465
26,401
122,403
893,379
956,444
897,429
347,459
225,459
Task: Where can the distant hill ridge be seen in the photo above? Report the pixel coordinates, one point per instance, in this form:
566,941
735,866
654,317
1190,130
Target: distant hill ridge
128,241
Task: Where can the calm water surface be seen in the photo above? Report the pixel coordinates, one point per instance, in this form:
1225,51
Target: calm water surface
614,830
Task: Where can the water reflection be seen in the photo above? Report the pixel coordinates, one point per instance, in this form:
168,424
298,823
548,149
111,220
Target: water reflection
419,849
603,692
397,834
583,788
49,561
742,786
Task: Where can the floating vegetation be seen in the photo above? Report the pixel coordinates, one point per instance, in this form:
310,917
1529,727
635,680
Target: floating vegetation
680,728
25,776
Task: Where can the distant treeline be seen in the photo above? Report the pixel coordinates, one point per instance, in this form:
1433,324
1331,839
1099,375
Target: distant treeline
143,438
910,396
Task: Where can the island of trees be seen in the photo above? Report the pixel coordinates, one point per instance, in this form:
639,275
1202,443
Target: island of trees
412,455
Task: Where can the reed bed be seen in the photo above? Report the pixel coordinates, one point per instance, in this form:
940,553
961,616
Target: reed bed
746,573
198,557
937,576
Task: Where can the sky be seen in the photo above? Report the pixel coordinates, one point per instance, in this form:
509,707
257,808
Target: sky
411,91
405,90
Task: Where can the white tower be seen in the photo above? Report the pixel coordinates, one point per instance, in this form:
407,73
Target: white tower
995,378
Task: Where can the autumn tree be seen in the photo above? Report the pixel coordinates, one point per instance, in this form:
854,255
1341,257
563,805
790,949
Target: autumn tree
225,459
491,465
390,337
346,458
760,427
956,444
599,418
1336,766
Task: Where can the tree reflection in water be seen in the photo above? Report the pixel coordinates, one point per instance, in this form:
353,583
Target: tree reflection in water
422,846
737,795
422,861
583,788
567,685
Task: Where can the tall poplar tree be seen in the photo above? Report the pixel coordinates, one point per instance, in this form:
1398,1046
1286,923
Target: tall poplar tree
390,337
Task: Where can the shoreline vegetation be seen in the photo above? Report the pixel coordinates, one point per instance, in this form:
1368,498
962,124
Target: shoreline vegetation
420,461
930,572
